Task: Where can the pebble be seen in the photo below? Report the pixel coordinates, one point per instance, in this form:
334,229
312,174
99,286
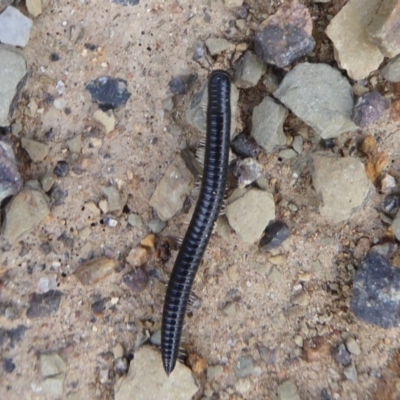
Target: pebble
229,309
350,373
342,183
357,56
180,84
26,210
390,204
243,386
156,225
302,299
103,205
110,221
391,72
247,171
135,220
37,151
10,178
146,376
352,346
275,275
287,154
43,304
396,225
15,28
108,92
214,371
34,7
376,294
216,46
172,190
47,180
113,198
8,365
388,183
13,73
126,2
298,340
288,391
274,235
136,280
106,118
243,367
267,124
384,28
369,108
149,241
298,144
93,271
85,232
155,338
320,96
233,3
245,146
61,169
248,71
52,370
285,36
250,214
342,356
137,256
46,284
75,144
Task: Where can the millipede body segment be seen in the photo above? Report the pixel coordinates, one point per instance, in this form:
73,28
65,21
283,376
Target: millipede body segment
205,214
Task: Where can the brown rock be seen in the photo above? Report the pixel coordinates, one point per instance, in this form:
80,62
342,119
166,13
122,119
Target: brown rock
149,241
94,270
316,350
395,110
137,257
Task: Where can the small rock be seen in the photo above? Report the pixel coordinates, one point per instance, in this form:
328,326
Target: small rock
298,144
391,71
287,154
217,45
342,183
113,198
156,225
376,295
15,28
285,36
396,225
298,340
75,144
46,284
4,4
171,192
155,338
109,92
274,235
37,151
248,71
288,391
57,196
54,385
302,299
180,84
10,178
92,271
369,108
103,205
386,250
270,82
268,356
320,96
106,118
275,275
247,171
136,280
384,28
127,2
61,169
245,146
26,210
267,124
47,181
8,365
84,233
214,371
388,183
233,3
34,7
135,220
44,304
243,367
243,386
279,259
110,221
358,56
149,241
51,364
324,392
352,346
137,256
350,373
341,355
248,215
146,376
229,309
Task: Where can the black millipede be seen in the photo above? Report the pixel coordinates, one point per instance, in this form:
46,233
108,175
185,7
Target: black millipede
207,209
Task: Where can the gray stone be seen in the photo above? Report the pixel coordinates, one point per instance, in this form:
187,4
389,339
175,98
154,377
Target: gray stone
214,371
180,84
341,355
233,3
106,118
396,226
15,28
156,225
320,96
12,78
148,381
37,151
54,385
43,305
267,120
376,292
274,235
358,56
135,220
217,45
4,4
369,108
298,144
10,178
229,309
34,7
352,346
288,391
287,154
350,373
249,71
171,192
155,338
113,198
75,144
26,210
342,184
244,366
250,214
51,364
391,71
47,180
247,171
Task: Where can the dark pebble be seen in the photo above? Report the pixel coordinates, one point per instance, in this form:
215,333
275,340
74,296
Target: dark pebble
45,248
245,146
49,135
109,92
99,306
68,241
325,394
61,169
267,355
90,46
126,2
342,356
136,280
328,143
17,334
243,11
199,51
109,221
180,84
376,292
368,108
3,337
54,57
8,365
57,196
274,235
390,204
43,305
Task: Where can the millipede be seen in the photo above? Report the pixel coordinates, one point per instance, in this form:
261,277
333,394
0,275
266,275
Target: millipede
211,196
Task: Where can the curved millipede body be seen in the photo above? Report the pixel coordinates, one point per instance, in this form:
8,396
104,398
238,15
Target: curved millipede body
205,214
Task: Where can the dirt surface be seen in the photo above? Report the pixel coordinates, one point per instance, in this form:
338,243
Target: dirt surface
147,44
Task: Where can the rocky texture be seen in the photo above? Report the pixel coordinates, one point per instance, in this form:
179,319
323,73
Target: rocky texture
353,50
267,125
243,367
61,169
148,381
26,210
217,45
245,146
341,355
376,292
320,96
172,190
396,225
180,84
52,370
106,118
369,108
391,71
384,30
15,28
10,179
274,235
285,36
93,271
37,151
233,3
136,280
12,78
44,304
34,7
342,184
288,391
113,198
249,214
247,171
4,4
248,71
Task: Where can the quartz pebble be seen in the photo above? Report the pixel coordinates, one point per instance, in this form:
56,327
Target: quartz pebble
369,108
34,7
244,366
52,371
113,198
61,169
15,28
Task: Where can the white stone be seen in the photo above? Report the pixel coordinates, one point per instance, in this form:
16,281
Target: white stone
15,28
